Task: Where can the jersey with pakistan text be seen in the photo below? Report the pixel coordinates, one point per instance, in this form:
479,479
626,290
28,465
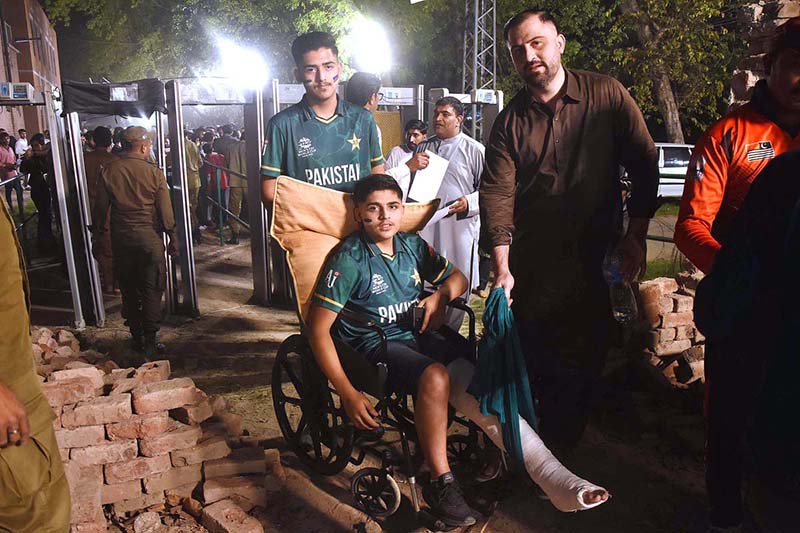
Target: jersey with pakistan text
332,153
360,278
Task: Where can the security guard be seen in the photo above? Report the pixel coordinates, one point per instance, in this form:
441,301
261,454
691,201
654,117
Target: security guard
34,495
141,211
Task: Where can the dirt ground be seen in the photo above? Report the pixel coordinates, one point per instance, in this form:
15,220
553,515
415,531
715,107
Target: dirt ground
644,443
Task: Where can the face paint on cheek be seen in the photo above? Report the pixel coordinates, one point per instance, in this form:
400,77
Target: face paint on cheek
336,77
367,220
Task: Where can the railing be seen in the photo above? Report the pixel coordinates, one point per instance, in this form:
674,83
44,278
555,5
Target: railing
218,201
22,217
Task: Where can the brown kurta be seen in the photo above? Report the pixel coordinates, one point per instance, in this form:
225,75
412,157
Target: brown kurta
551,181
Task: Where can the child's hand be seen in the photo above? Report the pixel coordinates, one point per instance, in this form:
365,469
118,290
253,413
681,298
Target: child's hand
435,306
360,410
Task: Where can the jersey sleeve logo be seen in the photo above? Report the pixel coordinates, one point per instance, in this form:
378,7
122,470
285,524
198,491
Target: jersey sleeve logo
330,279
355,142
760,150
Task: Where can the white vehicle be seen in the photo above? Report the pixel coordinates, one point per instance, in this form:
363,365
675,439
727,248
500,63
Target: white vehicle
673,160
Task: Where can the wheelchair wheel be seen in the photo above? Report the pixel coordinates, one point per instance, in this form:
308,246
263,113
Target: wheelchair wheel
375,492
464,454
315,428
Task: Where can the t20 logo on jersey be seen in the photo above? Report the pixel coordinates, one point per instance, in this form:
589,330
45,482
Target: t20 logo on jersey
305,148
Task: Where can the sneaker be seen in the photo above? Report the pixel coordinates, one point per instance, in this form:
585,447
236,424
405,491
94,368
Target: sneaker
203,227
446,501
233,240
151,346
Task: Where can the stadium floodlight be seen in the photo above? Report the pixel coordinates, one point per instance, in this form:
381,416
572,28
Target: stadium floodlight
368,46
243,66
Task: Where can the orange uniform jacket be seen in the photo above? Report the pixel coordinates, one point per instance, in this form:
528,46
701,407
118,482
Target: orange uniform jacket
724,163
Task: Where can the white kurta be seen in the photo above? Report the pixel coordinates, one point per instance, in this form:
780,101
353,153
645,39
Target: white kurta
397,156
456,237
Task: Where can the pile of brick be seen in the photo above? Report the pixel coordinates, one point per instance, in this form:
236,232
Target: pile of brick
134,440
672,344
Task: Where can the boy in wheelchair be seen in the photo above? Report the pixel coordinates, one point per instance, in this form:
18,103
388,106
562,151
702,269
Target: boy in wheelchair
379,274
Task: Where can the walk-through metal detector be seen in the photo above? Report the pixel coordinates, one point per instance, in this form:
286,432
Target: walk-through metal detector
487,102
84,279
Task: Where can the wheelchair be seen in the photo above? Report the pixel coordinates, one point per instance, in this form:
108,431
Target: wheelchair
310,415
316,428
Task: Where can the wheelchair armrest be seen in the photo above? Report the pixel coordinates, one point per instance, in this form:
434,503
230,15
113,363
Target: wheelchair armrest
366,323
461,303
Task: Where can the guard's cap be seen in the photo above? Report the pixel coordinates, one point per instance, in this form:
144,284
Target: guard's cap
135,134
787,36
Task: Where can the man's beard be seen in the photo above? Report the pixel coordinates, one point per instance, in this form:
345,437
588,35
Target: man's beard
539,80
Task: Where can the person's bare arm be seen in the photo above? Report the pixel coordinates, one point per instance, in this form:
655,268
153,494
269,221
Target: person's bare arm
267,190
356,405
502,274
435,305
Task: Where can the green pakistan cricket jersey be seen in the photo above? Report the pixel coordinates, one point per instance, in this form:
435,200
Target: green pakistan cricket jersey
333,153
360,278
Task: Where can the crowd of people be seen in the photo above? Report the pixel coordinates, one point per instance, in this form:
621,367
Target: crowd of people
542,196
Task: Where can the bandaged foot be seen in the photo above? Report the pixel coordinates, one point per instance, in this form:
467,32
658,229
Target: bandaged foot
567,492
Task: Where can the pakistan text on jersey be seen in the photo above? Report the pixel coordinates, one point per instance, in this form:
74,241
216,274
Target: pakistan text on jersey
333,175
390,313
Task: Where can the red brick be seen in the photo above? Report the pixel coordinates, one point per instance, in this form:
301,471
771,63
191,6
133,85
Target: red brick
240,461
38,358
164,395
180,436
117,492
681,303
117,374
696,353
72,365
251,488
138,468
673,347
659,336
183,491
64,453
234,423
139,427
672,320
68,391
206,450
219,405
65,337
226,517
103,410
81,437
684,332
193,414
109,365
662,285
110,452
85,484
66,351
273,459
136,504
121,386
40,335
100,526
193,507
172,478
153,371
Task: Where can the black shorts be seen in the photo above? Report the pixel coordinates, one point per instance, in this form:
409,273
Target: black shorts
407,360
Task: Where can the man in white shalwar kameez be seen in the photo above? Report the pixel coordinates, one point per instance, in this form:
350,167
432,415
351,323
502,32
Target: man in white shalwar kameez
456,236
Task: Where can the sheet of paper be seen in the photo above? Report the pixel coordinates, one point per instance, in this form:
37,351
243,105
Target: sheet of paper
428,180
438,215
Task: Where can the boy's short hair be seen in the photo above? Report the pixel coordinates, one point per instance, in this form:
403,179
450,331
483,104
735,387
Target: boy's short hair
372,183
102,136
312,41
360,88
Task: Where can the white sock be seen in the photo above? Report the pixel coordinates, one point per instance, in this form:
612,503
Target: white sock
564,488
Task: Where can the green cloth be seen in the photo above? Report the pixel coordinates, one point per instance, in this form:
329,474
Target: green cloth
501,378
333,153
360,278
